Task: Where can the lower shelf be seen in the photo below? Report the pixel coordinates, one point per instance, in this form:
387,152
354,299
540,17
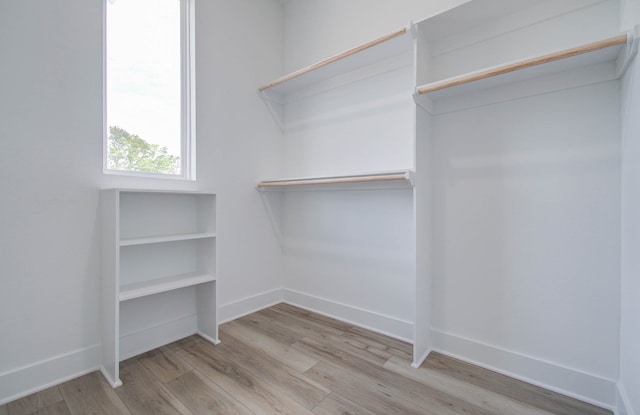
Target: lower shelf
166,238
156,286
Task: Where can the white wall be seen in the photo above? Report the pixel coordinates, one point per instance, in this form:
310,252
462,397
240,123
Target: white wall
51,173
349,254
526,235
317,29
239,44
629,384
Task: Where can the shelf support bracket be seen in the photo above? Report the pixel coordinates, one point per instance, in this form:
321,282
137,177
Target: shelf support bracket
424,102
625,59
275,107
412,29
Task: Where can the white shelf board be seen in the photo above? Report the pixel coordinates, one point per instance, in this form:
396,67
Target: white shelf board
619,49
141,289
384,47
388,180
166,238
163,191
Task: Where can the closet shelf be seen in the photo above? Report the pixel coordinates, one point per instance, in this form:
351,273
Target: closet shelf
160,285
390,180
619,49
387,46
165,238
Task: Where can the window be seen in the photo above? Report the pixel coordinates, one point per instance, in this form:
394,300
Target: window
149,88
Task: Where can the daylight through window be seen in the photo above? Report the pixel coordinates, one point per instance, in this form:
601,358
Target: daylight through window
148,87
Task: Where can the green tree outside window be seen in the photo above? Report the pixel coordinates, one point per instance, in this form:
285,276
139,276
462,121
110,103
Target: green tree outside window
131,153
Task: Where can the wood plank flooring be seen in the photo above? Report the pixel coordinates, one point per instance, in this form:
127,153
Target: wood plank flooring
284,360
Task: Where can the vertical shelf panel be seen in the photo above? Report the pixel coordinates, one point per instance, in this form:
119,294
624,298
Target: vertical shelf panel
206,298
109,201
423,239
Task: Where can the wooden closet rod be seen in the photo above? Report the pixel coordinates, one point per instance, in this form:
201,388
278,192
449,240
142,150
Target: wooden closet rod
334,180
335,58
540,60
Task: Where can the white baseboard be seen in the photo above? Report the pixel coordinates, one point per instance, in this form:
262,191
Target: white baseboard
586,387
248,305
32,378
390,326
387,325
23,381
623,404
141,341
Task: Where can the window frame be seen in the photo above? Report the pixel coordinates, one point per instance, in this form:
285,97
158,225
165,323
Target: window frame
187,100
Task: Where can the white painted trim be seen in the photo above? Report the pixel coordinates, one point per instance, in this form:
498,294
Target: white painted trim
32,378
623,404
208,338
248,305
417,363
187,101
380,323
114,383
571,382
35,377
188,90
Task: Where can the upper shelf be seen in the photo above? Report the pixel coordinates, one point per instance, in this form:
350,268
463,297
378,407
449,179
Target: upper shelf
619,49
389,180
387,46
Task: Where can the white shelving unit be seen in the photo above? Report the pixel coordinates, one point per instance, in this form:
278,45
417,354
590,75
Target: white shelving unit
478,54
155,242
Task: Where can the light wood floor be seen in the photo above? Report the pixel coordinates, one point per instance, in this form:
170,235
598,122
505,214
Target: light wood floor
284,360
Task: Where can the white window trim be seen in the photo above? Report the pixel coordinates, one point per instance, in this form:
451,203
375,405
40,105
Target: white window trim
188,101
